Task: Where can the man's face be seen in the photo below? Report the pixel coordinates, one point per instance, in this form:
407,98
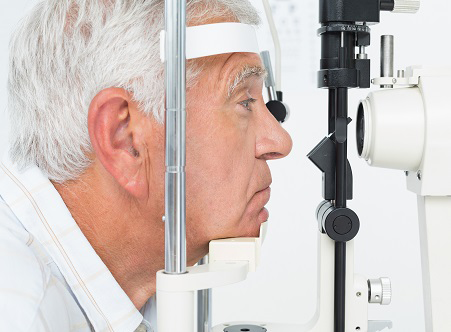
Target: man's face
229,138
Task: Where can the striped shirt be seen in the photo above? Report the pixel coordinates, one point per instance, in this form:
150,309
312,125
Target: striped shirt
51,279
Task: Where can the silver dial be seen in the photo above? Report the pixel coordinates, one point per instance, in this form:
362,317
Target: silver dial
379,291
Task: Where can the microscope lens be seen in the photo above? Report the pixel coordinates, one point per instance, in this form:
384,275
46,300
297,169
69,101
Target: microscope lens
360,132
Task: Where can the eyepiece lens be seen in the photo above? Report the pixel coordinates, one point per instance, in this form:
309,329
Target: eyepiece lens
360,132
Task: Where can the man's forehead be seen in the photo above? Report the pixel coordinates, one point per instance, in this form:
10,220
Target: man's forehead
236,61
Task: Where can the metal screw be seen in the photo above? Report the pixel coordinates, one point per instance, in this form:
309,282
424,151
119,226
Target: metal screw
357,328
394,80
163,219
358,294
419,175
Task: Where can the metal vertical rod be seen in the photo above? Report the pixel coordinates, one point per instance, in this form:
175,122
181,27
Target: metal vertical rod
204,300
387,58
269,81
341,135
331,110
340,289
175,75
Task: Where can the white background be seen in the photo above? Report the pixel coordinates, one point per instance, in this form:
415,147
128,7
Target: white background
284,288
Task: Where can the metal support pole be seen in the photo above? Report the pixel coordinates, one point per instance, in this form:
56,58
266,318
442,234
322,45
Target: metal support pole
341,135
175,218
204,306
331,110
269,82
387,58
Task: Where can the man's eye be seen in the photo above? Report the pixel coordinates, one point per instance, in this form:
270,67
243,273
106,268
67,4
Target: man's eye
247,103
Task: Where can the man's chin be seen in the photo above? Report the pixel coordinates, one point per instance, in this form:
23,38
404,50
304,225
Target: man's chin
256,222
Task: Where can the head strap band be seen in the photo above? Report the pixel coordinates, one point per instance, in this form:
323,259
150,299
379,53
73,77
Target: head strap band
214,39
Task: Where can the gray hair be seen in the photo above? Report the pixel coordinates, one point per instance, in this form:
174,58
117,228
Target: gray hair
66,51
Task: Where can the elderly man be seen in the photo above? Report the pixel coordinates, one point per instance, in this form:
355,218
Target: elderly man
82,188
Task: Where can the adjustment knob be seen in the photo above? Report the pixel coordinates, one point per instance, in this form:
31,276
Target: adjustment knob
340,224
379,291
279,109
406,6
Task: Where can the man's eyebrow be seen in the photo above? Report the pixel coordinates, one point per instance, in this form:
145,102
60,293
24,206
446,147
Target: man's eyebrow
246,72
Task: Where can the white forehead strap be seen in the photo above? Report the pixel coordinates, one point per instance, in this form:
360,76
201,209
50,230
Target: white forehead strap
214,39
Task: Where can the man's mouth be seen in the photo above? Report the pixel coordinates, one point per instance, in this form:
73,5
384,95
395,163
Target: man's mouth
263,196
266,190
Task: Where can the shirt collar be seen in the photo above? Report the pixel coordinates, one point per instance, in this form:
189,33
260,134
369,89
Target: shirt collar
41,210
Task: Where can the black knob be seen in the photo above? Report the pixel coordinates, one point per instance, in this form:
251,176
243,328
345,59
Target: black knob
278,109
340,224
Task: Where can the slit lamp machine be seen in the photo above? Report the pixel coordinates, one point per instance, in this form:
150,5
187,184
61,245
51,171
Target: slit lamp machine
403,126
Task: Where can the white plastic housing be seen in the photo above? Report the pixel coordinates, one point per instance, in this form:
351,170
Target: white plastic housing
431,181
435,227
323,320
230,262
394,128
433,176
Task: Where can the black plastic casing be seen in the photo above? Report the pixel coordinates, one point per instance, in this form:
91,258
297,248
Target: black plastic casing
349,11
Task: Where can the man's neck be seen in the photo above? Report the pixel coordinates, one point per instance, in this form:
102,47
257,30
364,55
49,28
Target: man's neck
130,245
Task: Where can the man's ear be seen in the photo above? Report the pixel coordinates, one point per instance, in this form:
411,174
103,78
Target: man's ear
114,126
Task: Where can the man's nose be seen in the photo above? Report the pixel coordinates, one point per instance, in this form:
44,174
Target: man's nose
273,141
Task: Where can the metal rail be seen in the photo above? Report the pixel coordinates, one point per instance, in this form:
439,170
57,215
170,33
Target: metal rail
175,73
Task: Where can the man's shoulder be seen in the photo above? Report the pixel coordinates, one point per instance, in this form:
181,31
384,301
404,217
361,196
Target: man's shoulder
32,298
24,279
17,259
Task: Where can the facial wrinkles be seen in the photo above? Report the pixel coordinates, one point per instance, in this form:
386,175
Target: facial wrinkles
224,73
243,158
253,181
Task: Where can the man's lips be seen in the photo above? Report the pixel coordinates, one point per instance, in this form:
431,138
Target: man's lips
263,196
266,188
259,199
258,202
